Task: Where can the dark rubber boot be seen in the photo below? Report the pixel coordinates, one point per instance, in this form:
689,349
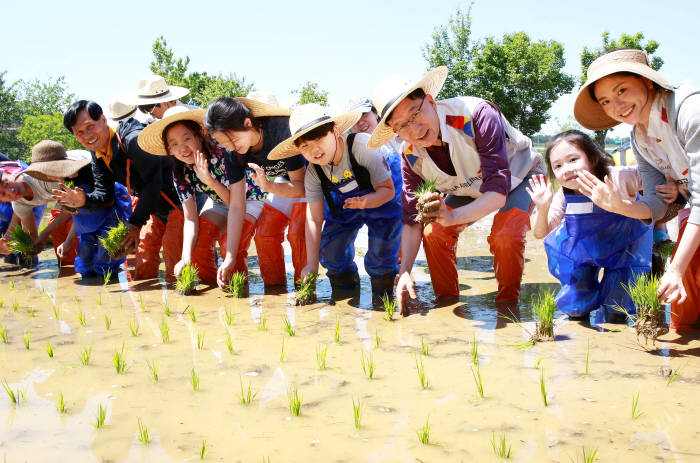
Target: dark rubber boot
345,282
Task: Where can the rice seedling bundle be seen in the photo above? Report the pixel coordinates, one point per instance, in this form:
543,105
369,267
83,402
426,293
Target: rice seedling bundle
186,283
237,284
21,242
543,307
306,294
112,241
650,319
425,195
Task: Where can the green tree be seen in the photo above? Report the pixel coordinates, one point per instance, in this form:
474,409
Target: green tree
310,93
10,119
588,55
46,127
48,97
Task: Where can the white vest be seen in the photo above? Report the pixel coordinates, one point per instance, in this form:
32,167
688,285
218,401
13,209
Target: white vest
457,131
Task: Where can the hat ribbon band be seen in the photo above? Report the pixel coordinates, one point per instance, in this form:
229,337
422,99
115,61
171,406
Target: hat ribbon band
390,103
311,124
157,95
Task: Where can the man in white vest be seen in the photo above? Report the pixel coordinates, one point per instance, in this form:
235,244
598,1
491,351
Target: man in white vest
478,160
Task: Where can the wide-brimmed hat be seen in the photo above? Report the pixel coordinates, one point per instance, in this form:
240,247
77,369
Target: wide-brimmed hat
588,112
119,111
153,90
359,104
304,119
49,158
392,91
263,104
151,138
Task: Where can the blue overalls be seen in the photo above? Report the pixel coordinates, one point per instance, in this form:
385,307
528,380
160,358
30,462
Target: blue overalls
589,239
383,223
91,224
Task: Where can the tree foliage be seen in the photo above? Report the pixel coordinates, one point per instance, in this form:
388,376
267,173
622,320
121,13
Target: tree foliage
310,93
10,118
46,127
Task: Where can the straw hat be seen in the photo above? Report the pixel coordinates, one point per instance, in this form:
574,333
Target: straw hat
392,91
49,158
304,119
359,104
119,110
587,111
263,104
151,138
153,90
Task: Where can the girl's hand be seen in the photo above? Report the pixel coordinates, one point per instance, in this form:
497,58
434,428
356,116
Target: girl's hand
178,267
604,194
224,273
260,178
201,168
357,202
540,191
61,250
306,271
671,288
668,191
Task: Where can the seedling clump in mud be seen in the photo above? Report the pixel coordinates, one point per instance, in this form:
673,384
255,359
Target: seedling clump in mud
650,319
306,294
113,241
186,283
426,194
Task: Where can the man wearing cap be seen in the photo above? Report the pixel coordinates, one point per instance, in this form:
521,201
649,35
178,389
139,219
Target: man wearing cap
117,157
478,160
154,96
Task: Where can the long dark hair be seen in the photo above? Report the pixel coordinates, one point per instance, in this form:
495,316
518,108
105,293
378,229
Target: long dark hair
600,161
228,114
208,145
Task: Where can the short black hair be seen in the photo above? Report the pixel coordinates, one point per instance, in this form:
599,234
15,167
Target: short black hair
71,115
417,94
315,134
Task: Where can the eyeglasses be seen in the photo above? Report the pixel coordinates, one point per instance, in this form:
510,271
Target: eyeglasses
411,119
148,109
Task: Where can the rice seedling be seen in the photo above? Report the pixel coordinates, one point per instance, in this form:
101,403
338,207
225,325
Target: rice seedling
500,446
665,248
543,307
100,417
49,349
164,331
247,395
236,286
288,327
336,334
425,194
321,352
389,304
423,433
2,303
588,455
119,361
203,449
295,400
543,388
306,294
56,313
377,339
31,311
421,373
191,313
112,241
588,358
12,284
194,380
81,318
15,397
27,337
674,374
200,340
99,298
153,368
15,306
636,411
143,434
538,363
228,317
21,242
121,304
108,322
476,373
186,283
424,347
367,364
166,309
85,355
3,334
283,351
475,350
650,318
262,324
70,183
76,299
142,303
134,327
61,405
357,410
229,344
107,277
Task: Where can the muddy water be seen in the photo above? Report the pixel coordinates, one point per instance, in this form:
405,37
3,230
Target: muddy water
591,411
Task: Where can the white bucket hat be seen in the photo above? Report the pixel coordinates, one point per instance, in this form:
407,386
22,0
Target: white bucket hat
359,104
151,138
392,91
119,110
304,119
263,104
153,90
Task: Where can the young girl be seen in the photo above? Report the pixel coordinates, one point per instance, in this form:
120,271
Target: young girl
250,127
200,165
581,238
622,87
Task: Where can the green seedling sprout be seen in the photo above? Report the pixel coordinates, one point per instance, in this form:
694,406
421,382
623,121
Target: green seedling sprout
142,303
377,339
112,241
27,337
336,334
674,374
31,311
3,334
228,317
119,361
321,352
500,446
101,415
15,306
153,368
246,396
543,388
166,309
194,380
295,400
21,242
2,303
538,363
61,405
543,308
588,455
283,351
12,284
229,344
288,327
134,327
121,304
588,358
389,304
81,318
422,378
203,450
108,322
236,286
85,355
262,325
367,364
665,248
650,318
99,298
200,340
306,294
15,397
143,434
476,373
186,283
191,313
49,349
164,331
636,412
475,350
107,277
423,433
357,409
422,193
424,347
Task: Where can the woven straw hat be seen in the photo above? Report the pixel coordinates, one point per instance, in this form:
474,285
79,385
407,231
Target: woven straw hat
359,104
153,90
151,138
587,111
304,119
119,111
392,91
49,158
263,104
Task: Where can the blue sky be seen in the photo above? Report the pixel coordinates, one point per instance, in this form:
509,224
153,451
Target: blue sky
103,48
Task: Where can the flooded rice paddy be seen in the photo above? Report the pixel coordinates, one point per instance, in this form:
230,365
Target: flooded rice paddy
589,376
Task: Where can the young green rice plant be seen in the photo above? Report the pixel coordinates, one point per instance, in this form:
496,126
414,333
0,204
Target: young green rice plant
203,450
85,355
306,294
142,302
228,317
650,318
194,380
134,327
283,351
543,308
100,417
665,248
262,324
166,309
107,277
476,373
425,194
112,241
186,283
31,311
367,363
27,337
674,374
288,327
119,361
475,350
153,368
15,397
538,363
21,242
56,313
389,304
229,344
543,388
2,303
423,433
61,405
357,410
236,286
15,306
164,331
588,455
192,314
108,322
636,411
99,298
143,434
422,378
121,304
500,446
377,339
321,352
12,284
81,318
587,369
424,347
336,334
200,340
3,334
295,400
247,395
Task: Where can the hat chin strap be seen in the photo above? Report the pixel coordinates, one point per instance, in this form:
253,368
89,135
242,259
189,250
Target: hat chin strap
311,124
390,104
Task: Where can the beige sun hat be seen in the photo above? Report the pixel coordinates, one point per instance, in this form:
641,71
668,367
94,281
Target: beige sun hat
49,158
151,138
304,119
587,111
119,111
392,91
263,104
360,103
153,90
